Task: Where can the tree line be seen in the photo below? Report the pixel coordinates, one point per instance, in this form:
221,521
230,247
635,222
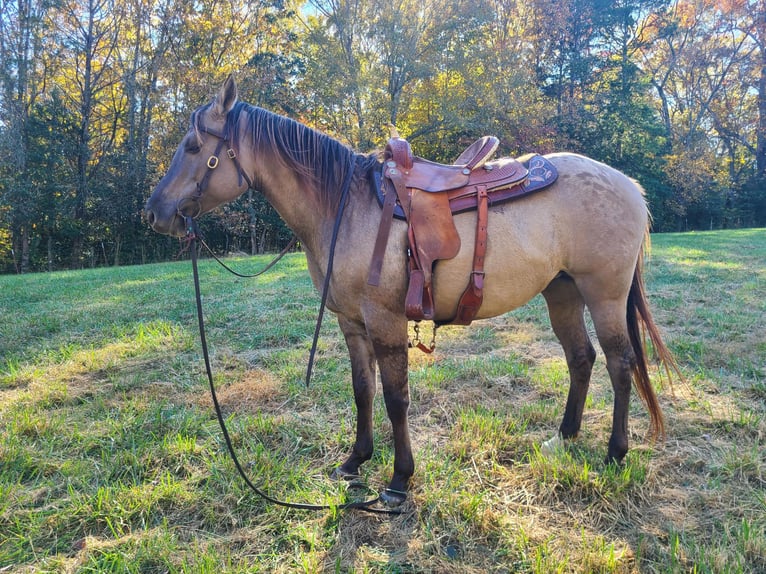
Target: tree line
96,94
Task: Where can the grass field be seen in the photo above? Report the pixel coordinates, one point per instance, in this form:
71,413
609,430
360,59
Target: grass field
111,459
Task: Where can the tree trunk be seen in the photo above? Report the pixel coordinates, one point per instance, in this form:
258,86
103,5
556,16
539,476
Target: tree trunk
117,248
760,152
24,250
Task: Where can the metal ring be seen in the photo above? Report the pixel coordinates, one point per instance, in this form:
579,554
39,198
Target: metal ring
184,202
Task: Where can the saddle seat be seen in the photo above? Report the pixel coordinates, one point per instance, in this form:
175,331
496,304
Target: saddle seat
428,194
471,168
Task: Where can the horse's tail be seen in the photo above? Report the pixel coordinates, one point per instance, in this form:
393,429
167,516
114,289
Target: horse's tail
640,323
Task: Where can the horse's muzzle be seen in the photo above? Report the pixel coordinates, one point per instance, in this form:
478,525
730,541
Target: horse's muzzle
167,222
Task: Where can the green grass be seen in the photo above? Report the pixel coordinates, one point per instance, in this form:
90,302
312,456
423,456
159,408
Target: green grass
111,459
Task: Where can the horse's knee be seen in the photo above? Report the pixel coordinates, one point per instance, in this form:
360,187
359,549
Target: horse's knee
580,363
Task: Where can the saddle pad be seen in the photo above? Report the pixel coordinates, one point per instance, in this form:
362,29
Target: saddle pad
542,173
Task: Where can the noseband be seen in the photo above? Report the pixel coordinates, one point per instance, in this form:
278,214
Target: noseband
224,141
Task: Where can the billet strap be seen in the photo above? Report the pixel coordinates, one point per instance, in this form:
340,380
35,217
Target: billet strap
392,173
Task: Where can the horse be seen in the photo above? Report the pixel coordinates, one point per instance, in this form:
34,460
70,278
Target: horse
580,243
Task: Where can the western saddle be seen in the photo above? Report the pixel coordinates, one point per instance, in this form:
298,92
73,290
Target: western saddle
427,195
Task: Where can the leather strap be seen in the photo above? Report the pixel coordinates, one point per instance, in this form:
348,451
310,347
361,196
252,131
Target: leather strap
419,301
473,296
381,241
394,175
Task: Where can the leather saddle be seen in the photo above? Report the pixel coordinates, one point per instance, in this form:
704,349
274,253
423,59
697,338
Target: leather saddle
427,195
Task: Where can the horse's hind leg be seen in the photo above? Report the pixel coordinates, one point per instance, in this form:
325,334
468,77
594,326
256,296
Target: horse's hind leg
363,378
565,309
610,320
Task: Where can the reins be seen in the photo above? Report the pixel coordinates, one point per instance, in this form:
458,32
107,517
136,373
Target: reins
258,273
192,237
330,261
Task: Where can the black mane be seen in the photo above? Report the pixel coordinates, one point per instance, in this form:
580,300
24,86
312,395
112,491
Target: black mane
319,158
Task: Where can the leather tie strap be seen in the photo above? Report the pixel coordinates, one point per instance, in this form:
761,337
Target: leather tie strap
473,296
392,174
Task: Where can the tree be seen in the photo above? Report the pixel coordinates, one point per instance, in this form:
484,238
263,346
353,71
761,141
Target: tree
699,56
90,35
21,83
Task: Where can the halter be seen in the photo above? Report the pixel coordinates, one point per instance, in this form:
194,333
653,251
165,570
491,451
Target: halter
213,162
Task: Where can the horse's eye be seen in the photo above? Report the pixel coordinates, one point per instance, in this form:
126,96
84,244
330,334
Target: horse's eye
192,147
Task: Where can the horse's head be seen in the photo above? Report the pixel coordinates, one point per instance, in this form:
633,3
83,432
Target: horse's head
205,171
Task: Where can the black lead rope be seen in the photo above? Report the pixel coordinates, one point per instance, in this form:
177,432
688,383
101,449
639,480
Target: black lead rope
330,261
192,236
271,264
366,505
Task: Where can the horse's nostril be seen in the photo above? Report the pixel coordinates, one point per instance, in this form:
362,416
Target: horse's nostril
151,218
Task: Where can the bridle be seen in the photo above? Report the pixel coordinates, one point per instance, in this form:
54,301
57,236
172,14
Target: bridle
224,141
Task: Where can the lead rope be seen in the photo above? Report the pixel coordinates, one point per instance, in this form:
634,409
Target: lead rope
330,260
271,264
192,237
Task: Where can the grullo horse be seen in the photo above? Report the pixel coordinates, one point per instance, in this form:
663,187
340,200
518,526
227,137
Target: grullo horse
579,243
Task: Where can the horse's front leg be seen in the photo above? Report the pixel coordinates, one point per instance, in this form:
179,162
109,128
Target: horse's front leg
363,379
390,344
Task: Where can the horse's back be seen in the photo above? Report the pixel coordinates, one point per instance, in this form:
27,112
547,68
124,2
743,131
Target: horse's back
590,223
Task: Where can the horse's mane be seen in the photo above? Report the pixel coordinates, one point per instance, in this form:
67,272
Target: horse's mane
317,157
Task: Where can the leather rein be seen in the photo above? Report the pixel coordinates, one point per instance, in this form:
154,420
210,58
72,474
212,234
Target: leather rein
192,237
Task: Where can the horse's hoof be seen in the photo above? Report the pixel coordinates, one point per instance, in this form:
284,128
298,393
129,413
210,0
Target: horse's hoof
393,498
614,461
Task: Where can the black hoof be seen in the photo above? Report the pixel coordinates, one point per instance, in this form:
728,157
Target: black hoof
393,498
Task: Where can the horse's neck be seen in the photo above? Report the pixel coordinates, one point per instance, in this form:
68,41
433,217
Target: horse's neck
293,195
298,205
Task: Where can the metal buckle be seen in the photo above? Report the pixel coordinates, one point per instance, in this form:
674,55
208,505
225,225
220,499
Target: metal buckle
212,162
231,153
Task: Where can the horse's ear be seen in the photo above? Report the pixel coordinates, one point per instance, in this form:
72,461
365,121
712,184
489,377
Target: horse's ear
227,96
